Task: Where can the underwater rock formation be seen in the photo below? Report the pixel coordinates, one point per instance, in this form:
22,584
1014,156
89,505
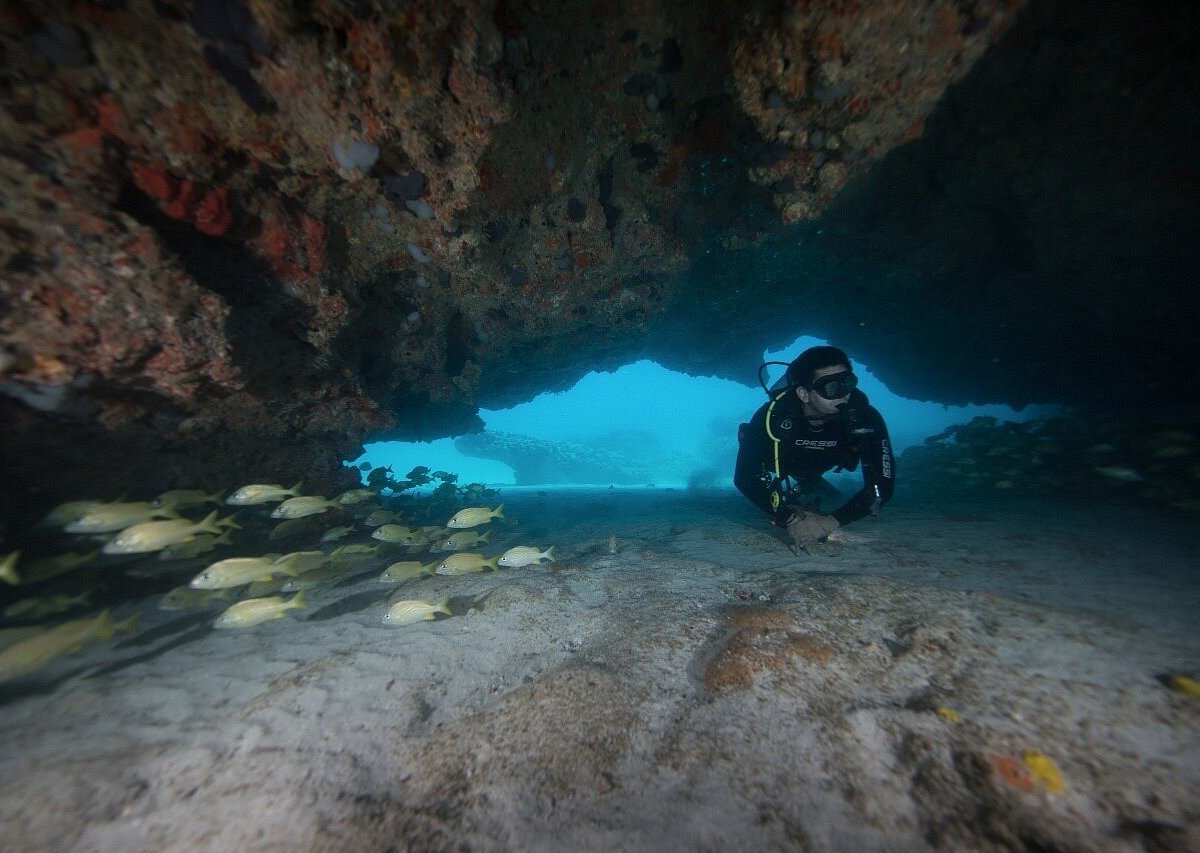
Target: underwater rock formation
240,239
537,462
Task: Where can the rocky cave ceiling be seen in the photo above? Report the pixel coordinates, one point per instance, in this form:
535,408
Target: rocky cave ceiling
240,238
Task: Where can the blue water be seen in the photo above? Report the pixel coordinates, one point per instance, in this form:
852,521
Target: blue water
682,423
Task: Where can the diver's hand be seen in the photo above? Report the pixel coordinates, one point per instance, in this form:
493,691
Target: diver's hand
806,528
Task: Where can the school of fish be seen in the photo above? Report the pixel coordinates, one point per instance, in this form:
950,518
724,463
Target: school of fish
246,585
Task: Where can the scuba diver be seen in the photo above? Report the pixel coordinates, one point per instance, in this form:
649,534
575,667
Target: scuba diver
816,420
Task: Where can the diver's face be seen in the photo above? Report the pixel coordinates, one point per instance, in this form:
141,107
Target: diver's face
816,406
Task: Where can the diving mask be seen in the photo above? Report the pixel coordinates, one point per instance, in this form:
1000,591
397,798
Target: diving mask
835,386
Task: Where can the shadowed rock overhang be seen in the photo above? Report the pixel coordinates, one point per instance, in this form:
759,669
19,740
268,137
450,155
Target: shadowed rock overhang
238,239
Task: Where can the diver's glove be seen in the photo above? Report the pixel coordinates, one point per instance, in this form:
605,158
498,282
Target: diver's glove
806,528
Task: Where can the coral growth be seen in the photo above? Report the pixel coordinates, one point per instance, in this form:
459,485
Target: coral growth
208,210
836,85
763,639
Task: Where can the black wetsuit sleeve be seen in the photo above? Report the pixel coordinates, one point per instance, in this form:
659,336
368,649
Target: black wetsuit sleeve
753,475
878,468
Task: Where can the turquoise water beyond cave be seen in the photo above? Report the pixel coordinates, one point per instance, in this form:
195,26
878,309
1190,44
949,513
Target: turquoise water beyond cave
684,427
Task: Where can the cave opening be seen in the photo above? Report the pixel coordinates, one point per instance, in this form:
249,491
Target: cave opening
617,421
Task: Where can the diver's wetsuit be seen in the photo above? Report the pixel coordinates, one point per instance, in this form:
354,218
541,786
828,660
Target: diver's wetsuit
780,443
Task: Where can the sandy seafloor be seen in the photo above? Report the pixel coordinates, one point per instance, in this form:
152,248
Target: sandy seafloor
697,687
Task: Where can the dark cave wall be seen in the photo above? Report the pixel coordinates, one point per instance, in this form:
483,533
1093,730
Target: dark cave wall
1062,218
1035,245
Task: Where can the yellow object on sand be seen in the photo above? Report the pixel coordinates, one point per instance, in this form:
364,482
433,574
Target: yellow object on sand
1044,771
949,714
1186,686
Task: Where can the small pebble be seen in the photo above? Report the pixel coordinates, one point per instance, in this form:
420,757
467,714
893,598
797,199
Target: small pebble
355,155
420,207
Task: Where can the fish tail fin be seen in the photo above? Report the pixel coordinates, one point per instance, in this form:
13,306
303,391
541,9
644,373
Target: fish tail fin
295,490
498,512
127,626
217,497
8,569
104,625
486,537
549,554
494,563
229,522
298,600
209,524
443,606
1183,684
